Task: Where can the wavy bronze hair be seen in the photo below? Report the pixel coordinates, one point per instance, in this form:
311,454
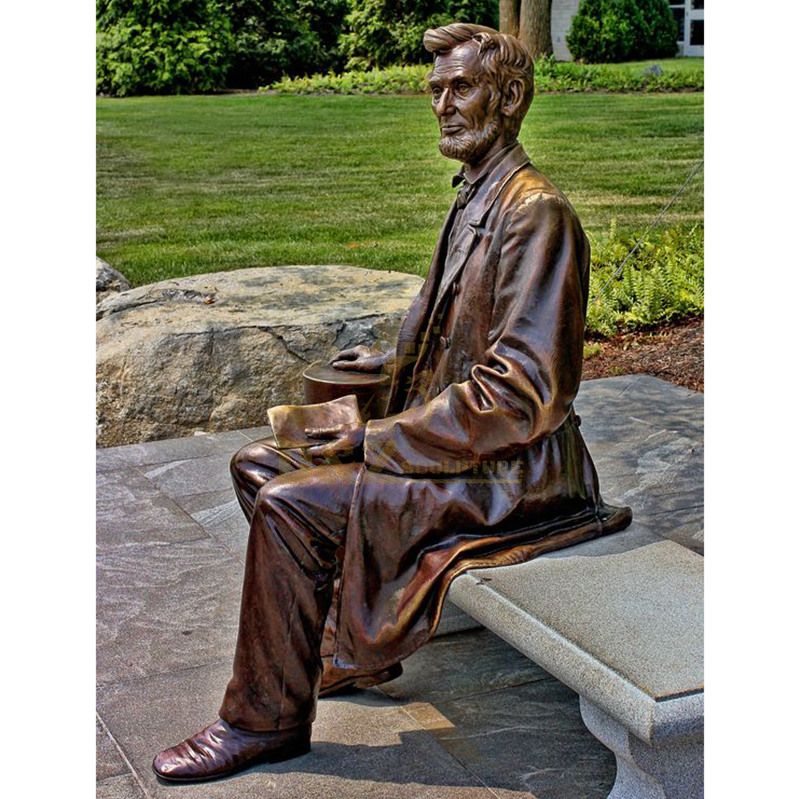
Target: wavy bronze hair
504,57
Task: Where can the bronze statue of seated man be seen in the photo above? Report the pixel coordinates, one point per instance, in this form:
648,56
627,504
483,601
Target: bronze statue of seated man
478,460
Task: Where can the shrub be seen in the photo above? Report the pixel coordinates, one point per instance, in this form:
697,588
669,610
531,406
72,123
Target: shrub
662,281
161,46
392,80
381,32
273,39
622,30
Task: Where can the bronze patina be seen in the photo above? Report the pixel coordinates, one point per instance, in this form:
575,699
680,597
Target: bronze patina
478,459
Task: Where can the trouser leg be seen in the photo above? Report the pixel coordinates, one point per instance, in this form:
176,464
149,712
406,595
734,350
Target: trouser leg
298,524
255,465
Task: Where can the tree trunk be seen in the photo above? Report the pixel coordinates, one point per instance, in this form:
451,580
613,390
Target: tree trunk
509,17
534,26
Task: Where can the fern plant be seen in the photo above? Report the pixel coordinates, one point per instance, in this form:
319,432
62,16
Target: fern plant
661,281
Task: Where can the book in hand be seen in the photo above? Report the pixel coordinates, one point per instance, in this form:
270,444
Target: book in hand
290,422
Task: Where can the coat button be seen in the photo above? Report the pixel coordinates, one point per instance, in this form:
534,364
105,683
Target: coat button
445,341
456,289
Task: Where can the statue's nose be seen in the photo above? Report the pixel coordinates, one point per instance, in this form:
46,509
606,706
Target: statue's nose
444,104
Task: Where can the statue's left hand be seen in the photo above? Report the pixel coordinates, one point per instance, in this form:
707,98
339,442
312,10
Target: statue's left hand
343,442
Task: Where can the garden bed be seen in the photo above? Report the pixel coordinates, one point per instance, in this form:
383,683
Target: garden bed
672,352
665,75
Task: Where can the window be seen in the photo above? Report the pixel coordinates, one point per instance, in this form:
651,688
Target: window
696,35
697,5
680,18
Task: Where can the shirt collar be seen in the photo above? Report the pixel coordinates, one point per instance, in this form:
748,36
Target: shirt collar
461,177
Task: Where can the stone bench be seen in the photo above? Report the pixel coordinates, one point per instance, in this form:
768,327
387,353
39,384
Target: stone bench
620,619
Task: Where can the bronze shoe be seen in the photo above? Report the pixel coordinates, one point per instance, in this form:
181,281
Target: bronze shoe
220,749
339,681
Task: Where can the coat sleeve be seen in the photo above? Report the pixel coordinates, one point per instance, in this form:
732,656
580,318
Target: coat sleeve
524,387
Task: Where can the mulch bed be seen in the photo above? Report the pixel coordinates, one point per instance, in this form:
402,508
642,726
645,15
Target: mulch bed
672,352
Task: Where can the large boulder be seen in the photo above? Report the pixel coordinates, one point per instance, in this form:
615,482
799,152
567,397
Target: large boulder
213,352
107,280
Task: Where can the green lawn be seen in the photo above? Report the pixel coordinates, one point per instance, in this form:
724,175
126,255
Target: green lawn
187,185
680,65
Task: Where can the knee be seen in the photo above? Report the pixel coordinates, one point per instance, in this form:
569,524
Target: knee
271,495
240,460
256,457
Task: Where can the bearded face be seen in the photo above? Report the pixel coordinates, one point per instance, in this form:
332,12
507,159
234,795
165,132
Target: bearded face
466,104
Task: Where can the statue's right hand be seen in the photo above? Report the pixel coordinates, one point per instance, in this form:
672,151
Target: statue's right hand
359,359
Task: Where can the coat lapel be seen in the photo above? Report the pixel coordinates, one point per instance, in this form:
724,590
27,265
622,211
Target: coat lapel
475,213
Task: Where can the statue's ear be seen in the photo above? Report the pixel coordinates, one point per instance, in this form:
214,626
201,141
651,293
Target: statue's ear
512,97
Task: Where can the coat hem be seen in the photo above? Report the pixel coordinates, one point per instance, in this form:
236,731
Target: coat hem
606,519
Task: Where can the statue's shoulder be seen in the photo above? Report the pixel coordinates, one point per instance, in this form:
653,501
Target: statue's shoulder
530,191
530,201
529,182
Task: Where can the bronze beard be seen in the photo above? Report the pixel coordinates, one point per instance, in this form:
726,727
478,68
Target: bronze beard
471,145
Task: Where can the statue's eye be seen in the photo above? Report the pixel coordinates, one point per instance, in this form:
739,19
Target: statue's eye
462,88
436,92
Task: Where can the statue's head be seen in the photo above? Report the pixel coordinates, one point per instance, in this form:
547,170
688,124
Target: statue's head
481,88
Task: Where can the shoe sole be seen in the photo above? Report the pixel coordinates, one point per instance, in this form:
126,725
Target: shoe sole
365,681
287,752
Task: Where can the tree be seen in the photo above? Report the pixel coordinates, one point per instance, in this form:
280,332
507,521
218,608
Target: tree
529,20
509,17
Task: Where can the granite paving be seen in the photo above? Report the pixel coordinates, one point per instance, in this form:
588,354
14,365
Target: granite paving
470,716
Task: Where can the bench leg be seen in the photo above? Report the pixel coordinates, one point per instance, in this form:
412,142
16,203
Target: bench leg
672,770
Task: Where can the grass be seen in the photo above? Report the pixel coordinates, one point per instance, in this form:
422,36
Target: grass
187,185
683,65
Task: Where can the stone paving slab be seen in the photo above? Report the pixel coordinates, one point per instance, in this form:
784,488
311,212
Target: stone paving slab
170,449
108,761
651,449
646,439
461,665
645,396
530,739
617,409
125,484
684,526
220,516
152,517
124,787
256,433
504,718
650,494
162,607
182,478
